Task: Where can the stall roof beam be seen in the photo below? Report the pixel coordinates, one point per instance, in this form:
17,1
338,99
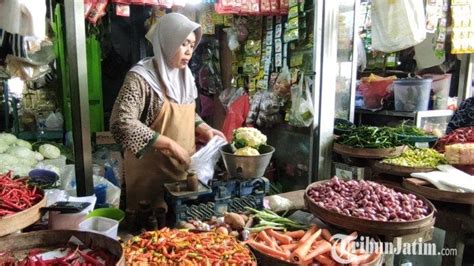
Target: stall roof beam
76,57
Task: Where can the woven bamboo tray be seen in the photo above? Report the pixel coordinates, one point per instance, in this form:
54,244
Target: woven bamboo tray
365,226
425,189
399,170
366,152
15,222
19,244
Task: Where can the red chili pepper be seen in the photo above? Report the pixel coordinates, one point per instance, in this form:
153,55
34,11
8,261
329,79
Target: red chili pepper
89,259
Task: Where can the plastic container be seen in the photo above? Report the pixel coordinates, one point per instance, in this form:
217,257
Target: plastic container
100,225
412,94
440,87
111,213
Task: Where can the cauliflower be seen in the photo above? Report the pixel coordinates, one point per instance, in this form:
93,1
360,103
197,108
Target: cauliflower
23,143
49,151
248,137
246,151
7,138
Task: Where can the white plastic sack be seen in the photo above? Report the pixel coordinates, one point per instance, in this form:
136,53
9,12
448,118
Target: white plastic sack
204,160
397,24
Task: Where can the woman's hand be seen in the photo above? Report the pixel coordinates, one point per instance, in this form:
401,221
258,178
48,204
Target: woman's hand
172,149
205,133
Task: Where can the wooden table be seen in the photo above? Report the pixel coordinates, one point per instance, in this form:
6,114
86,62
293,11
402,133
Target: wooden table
457,220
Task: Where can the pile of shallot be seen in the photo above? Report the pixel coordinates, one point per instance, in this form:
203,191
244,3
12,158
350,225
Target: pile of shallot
368,200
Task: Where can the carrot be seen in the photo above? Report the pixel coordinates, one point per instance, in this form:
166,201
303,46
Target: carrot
327,235
263,236
289,247
295,234
320,247
268,250
299,254
284,239
308,233
325,260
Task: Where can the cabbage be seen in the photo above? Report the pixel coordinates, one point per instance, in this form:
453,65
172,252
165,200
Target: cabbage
21,152
7,138
23,143
20,170
7,159
38,156
49,151
3,147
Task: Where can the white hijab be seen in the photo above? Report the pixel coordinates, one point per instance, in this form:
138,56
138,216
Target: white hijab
171,31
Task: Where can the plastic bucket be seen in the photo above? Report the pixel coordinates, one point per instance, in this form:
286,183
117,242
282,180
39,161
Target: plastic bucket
412,94
440,87
100,225
112,213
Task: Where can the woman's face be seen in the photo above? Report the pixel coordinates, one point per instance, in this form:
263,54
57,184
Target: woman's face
184,53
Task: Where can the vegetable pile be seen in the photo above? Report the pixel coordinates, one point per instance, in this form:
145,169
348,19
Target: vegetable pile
181,247
18,156
16,195
270,220
460,135
428,158
368,200
406,130
369,137
308,247
247,141
71,255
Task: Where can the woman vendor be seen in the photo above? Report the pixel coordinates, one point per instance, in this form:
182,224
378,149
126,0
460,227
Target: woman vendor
154,117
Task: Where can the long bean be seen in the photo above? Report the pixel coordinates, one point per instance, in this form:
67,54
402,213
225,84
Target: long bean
369,137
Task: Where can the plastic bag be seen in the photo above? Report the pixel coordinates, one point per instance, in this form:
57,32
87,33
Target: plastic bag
232,39
375,89
236,115
204,160
301,113
397,25
54,121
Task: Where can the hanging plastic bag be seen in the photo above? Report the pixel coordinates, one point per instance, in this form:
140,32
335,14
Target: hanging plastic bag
397,25
301,113
204,160
236,115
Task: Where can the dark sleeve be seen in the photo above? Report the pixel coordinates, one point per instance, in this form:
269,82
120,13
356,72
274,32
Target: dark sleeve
125,124
463,117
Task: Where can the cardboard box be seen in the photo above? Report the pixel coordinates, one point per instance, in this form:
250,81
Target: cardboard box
104,138
346,171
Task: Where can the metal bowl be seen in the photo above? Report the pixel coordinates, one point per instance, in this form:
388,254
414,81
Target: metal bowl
246,167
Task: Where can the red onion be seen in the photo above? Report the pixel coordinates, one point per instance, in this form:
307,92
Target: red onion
368,200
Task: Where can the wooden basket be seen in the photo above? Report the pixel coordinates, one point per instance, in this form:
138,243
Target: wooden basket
399,170
369,226
15,222
19,244
425,188
366,152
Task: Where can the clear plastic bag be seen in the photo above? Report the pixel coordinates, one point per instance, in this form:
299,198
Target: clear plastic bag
204,160
301,113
